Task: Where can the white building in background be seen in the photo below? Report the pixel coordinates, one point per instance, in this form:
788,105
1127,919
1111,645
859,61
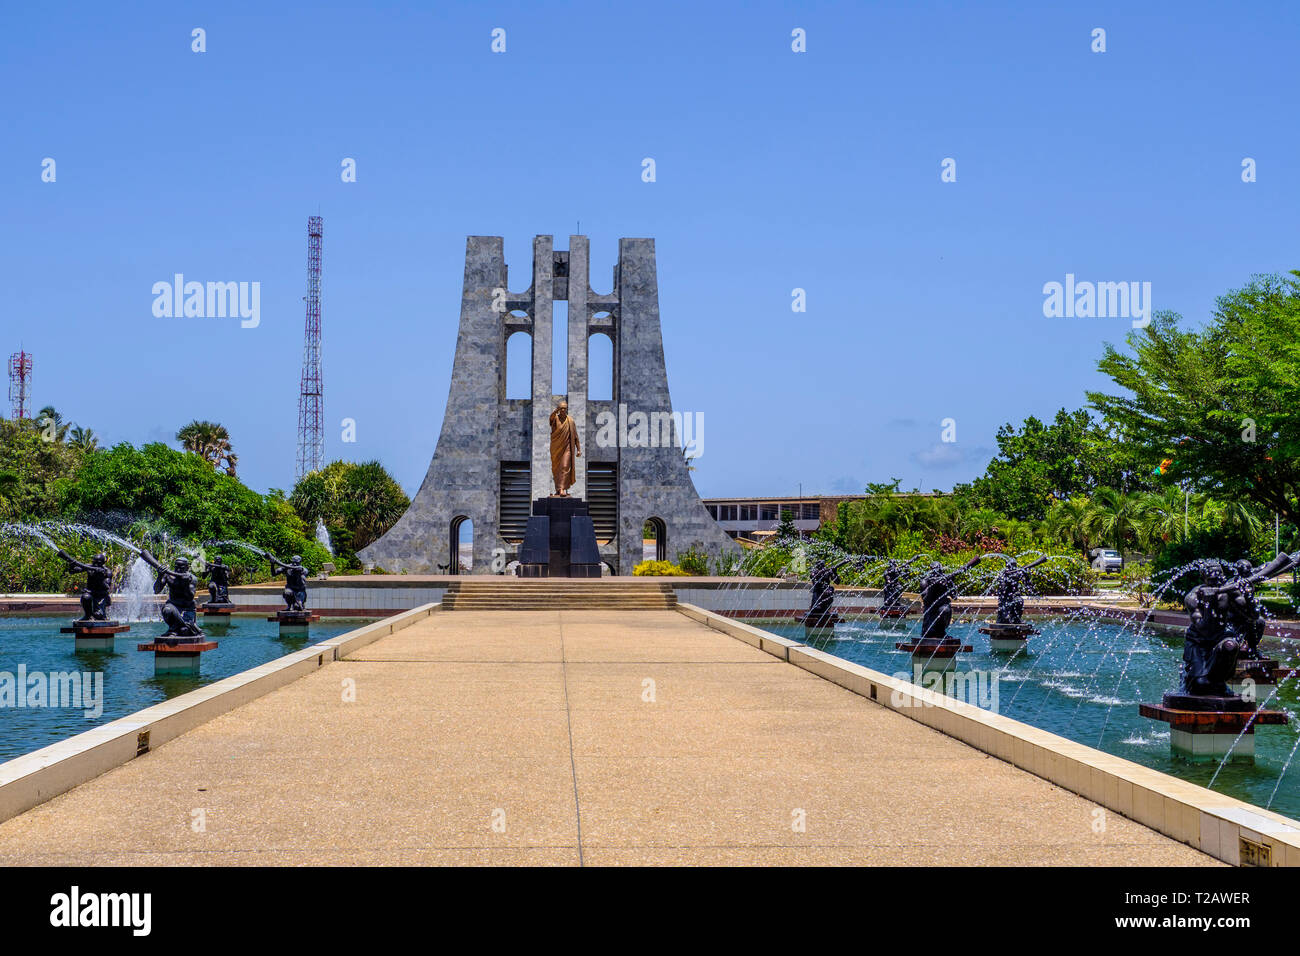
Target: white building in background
757,518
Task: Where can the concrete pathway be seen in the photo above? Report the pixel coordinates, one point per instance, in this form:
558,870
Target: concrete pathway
619,737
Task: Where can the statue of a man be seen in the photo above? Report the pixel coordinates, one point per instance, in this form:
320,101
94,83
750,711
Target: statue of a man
181,585
95,597
891,588
823,578
1226,622
218,582
937,590
1210,651
1010,586
565,450
295,582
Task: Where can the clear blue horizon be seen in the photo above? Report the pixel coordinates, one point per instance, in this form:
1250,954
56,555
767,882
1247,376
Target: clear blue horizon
775,170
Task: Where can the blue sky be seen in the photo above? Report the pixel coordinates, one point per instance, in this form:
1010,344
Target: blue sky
775,170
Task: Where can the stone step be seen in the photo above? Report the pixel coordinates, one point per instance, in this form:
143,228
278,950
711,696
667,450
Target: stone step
514,598
545,590
579,584
556,606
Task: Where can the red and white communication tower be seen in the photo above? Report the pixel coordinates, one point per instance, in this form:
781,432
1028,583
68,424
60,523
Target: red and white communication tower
20,384
311,396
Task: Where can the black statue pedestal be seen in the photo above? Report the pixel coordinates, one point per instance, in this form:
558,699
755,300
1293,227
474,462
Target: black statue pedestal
934,653
559,541
818,625
216,616
294,623
1007,637
177,655
94,635
1203,727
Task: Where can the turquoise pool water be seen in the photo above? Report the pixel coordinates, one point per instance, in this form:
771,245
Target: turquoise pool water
1083,679
35,645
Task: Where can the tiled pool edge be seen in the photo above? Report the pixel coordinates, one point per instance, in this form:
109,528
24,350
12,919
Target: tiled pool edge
1211,822
33,778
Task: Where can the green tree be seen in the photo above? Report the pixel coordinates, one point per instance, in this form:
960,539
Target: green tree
193,500
1167,516
8,493
357,502
1223,402
83,438
211,442
52,423
1038,463
1113,517
43,470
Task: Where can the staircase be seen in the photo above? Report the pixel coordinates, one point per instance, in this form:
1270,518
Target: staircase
497,593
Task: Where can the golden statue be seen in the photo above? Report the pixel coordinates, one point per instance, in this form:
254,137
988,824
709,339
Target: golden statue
565,450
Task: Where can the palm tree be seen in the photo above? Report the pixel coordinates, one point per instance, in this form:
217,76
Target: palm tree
1165,515
1067,521
211,442
1234,515
83,438
1112,516
50,421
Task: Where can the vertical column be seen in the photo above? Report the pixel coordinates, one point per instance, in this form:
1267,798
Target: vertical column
579,286
543,269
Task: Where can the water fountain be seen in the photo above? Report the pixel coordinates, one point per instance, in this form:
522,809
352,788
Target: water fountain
295,619
179,649
323,537
1009,631
1207,719
93,631
934,650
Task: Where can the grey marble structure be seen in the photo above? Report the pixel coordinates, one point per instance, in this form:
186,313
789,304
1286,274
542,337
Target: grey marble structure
482,430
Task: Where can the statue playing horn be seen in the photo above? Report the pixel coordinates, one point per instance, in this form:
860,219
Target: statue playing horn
565,450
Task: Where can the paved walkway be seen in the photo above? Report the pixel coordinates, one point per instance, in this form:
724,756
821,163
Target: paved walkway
538,721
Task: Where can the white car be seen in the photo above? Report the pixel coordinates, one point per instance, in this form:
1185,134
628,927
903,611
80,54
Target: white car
1105,560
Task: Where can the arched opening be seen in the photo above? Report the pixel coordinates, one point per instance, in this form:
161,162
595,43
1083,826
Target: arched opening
519,365
600,368
560,348
654,540
461,545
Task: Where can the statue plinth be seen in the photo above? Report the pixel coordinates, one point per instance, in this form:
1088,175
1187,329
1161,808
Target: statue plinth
1211,727
294,623
934,653
559,540
94,635
819,624
1007,637
177,655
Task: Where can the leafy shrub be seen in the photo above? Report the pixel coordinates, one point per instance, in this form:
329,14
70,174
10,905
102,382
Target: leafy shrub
728,563
693,561
658,569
